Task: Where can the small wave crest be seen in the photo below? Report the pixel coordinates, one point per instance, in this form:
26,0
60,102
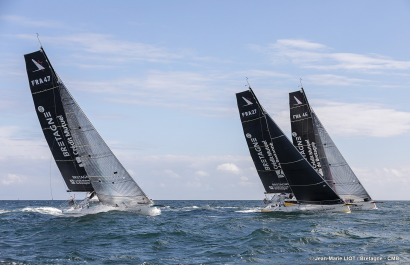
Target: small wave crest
43,210
188,208
250,210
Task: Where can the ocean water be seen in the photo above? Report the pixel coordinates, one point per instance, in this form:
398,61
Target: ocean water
203,232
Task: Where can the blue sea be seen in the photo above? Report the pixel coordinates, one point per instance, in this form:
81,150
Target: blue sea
203,232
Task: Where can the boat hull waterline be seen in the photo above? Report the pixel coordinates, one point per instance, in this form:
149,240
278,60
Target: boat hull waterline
357,206
302,207
97,207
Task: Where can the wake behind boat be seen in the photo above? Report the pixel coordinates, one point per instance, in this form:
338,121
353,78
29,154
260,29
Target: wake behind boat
85,161
314,143
284,172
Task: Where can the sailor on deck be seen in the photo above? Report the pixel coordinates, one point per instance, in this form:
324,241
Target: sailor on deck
281,199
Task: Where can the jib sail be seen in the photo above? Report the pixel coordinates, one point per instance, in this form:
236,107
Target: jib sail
111,181
345,180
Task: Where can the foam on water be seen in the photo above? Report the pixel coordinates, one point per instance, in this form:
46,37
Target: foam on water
99,208
43,210
251,210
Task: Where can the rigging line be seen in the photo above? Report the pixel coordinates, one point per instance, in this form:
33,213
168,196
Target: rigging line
248,82
51,187
38,38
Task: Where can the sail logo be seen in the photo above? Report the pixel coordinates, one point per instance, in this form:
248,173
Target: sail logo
54,131
70,140
279,186
39,65
298,143
248,101
298,101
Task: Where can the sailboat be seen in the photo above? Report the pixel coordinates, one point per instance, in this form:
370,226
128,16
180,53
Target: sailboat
314,143
264,137
85,161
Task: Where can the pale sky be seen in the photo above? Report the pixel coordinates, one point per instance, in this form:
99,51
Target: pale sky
158,81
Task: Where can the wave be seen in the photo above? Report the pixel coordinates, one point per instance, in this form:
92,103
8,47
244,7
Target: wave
208,207
250,210
43,210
